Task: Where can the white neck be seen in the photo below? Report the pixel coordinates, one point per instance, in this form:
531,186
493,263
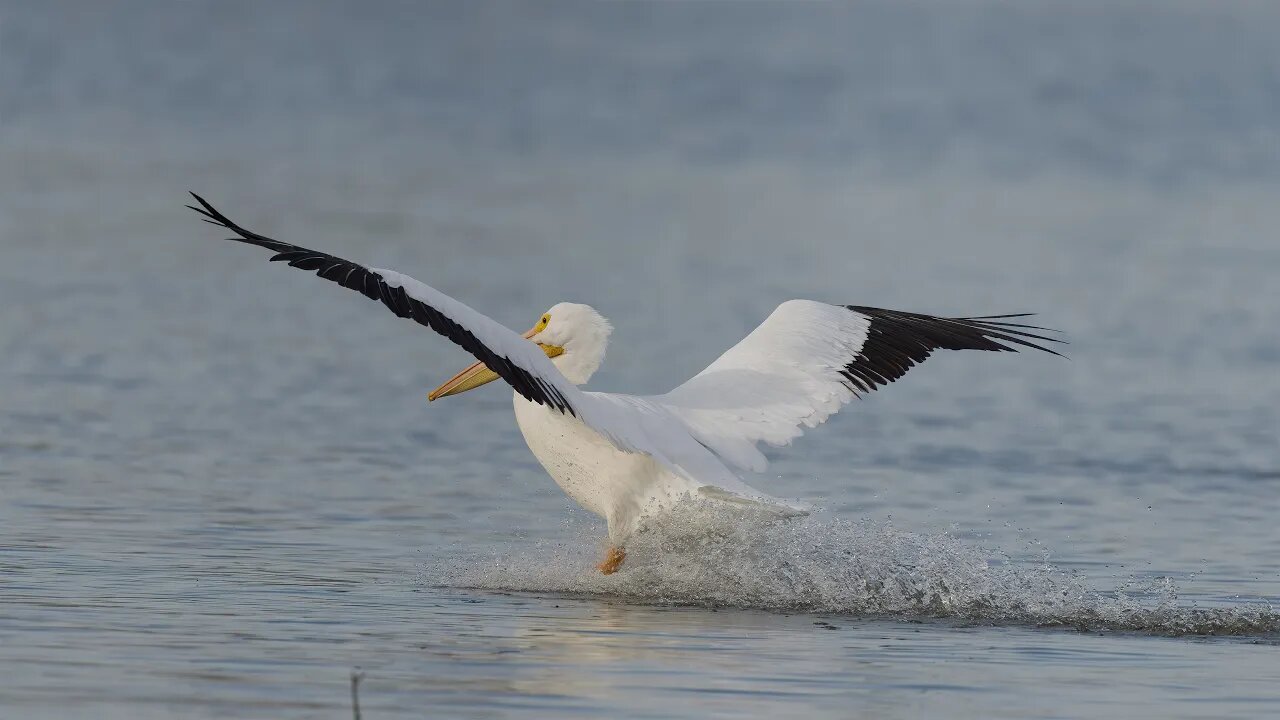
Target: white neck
578,364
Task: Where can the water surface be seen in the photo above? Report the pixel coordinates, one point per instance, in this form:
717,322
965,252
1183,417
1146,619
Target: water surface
222,489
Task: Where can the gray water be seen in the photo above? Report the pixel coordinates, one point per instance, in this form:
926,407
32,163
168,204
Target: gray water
222,489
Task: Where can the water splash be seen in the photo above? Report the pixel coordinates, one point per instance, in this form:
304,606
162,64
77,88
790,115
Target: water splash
707,554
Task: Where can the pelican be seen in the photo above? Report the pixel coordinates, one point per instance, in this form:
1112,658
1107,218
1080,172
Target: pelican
627,457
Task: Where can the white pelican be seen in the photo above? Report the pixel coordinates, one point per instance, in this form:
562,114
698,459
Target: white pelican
624,457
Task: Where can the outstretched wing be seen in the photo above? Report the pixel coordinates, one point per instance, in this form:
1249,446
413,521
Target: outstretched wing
521,363
807,359
632,424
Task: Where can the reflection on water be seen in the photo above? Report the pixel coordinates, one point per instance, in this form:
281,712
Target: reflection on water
221,486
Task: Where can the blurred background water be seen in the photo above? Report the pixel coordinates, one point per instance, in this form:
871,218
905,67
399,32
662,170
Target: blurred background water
221,487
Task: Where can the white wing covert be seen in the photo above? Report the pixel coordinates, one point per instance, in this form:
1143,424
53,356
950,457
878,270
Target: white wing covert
807,359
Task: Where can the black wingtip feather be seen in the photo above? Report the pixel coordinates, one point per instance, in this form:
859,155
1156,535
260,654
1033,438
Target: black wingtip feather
896,341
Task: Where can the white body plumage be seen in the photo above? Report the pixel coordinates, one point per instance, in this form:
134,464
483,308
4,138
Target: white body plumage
622,487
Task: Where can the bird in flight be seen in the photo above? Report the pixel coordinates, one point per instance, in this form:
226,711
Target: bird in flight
626,457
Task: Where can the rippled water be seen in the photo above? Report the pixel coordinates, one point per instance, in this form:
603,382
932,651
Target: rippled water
222,489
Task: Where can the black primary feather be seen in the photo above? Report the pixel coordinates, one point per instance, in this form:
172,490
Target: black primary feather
897,341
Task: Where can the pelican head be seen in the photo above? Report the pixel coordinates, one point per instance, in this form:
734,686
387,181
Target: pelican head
574,336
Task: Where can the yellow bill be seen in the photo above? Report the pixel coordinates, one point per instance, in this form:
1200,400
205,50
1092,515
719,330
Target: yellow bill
479,374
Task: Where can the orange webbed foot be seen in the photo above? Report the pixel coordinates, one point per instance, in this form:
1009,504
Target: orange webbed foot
612,561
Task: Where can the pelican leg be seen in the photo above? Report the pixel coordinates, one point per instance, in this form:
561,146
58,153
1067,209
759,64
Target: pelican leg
612,560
